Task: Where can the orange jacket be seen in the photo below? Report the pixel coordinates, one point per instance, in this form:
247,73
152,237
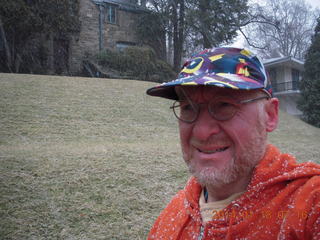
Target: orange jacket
282,202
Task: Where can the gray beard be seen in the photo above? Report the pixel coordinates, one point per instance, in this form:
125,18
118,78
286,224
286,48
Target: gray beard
210,176
239,167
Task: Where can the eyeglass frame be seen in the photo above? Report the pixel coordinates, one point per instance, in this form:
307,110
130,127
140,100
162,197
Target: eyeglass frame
211,112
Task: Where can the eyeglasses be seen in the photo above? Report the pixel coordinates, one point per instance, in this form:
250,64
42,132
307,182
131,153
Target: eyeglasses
221,109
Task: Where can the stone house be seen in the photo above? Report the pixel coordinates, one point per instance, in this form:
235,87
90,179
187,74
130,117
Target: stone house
104,24
285,74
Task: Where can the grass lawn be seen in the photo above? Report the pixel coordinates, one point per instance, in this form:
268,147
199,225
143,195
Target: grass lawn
85,158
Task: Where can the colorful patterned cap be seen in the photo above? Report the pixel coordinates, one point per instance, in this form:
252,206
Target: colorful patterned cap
220,67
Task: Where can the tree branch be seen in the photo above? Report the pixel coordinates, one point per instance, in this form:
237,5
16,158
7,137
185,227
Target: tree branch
6,47
248,41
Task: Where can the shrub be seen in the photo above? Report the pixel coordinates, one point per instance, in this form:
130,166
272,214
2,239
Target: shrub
136,62
309,101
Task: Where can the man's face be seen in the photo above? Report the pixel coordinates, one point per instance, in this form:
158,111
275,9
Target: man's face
221,152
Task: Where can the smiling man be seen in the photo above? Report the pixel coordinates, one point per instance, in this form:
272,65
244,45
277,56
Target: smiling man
241,187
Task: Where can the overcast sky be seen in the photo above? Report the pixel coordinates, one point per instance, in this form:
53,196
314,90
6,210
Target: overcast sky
240,40
314,3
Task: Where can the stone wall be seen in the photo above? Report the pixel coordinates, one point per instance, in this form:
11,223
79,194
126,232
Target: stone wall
86,43
122,31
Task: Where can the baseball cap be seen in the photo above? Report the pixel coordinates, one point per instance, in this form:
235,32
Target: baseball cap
224,67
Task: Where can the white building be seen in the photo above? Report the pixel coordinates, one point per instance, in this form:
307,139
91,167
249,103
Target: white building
285,74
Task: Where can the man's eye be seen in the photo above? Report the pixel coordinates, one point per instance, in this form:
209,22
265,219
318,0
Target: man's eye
223,107
186,107
223,104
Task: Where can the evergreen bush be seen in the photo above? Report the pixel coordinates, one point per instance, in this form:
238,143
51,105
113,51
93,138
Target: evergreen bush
137,63
309,102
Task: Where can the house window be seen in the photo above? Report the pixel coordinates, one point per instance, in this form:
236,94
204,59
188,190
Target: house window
295,79
111,13
123,45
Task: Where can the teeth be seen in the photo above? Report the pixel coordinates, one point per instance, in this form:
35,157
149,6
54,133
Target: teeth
214,151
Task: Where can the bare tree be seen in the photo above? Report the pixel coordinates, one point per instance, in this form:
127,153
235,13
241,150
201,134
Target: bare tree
281,28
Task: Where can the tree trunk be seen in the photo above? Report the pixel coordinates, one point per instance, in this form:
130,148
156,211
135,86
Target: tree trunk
163,46
170,46
17,63
175,36
178,32
206,41
6,47
205,27
50,62
143,3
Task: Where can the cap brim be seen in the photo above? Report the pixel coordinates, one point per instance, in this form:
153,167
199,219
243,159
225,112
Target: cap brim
233,81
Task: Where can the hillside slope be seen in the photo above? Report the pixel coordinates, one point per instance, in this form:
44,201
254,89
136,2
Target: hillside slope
89,158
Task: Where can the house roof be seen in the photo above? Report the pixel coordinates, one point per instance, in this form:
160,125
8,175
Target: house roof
284,61
123,5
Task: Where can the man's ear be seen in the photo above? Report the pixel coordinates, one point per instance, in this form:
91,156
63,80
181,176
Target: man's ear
272,114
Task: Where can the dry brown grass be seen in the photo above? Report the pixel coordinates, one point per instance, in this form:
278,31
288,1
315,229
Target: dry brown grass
92,158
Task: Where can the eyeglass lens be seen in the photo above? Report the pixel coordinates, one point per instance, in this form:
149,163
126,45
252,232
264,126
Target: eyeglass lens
222,110
188,111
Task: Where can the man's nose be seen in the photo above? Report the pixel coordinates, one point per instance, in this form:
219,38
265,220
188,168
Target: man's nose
205,125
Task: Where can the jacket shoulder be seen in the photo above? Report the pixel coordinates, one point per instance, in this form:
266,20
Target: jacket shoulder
171,219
